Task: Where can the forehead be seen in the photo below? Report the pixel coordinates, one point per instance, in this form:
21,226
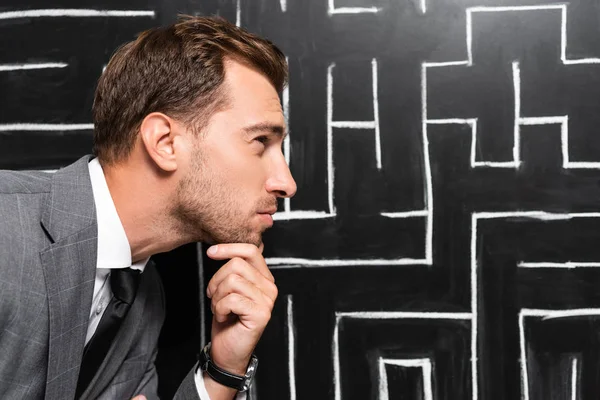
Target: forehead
250,94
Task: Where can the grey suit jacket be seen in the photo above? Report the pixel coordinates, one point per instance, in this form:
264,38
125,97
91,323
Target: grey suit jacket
48,244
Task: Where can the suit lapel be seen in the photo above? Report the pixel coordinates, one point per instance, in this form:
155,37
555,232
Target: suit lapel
69,266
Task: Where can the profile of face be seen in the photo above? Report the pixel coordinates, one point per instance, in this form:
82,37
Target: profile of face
238,169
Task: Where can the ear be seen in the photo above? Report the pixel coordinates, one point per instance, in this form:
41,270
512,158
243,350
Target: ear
158,138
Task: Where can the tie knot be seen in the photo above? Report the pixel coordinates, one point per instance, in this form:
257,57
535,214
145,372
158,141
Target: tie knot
124,283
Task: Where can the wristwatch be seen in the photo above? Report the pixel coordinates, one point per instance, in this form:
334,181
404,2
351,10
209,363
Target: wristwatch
239,382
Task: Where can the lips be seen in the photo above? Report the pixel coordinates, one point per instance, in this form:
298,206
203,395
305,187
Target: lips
266,218
270,211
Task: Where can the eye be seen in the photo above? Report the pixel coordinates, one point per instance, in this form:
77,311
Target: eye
262,139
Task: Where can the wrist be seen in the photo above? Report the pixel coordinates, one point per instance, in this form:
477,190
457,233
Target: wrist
228,378
233,366
216,390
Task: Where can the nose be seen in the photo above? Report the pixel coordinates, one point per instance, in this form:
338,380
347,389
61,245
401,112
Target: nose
281,183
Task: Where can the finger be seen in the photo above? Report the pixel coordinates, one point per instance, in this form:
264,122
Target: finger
250,314
140,397
238,266
248,252
234,283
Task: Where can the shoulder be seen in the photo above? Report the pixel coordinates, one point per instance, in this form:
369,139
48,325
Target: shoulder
22,195
24,182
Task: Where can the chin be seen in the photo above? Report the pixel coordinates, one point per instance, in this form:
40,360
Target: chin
256,241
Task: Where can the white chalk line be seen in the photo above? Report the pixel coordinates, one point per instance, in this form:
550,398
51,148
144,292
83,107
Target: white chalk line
474,307
539,215
436,64
44,127
286,141
574,379
21,67
291,215
427,167
354,124
293,262
336,361
375,88
330,167
332,10
516,133
565,265
403,315
423,363
291,346
409,362
405,214
523,359
75,13
556,119
483,9
383,382
452,121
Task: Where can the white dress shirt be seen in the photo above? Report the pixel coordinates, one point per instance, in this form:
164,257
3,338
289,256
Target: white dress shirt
114,252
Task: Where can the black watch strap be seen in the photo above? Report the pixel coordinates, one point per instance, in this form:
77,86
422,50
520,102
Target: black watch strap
241,383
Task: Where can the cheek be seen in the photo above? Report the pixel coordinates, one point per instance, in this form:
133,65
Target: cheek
247,172
239,169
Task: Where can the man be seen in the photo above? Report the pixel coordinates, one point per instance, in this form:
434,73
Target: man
188,136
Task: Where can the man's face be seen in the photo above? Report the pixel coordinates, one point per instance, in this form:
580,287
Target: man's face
238,169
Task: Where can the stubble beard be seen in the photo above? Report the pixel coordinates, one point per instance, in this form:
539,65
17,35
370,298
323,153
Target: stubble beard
206,209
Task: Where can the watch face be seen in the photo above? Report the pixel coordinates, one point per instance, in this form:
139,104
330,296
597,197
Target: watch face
249,376
204,357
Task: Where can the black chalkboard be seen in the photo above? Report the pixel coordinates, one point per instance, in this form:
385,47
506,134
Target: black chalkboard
443,243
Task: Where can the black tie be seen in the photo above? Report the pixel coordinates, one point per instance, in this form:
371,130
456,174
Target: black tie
124,283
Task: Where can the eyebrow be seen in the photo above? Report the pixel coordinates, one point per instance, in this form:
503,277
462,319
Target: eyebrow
276,129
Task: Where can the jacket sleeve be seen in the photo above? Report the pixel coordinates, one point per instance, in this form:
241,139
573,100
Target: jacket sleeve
188,390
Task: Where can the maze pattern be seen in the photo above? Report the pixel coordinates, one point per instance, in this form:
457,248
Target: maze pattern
442,244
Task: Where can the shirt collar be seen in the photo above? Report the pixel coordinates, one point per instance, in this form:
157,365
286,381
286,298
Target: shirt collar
113,246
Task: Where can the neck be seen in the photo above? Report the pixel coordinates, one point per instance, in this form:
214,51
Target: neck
141,199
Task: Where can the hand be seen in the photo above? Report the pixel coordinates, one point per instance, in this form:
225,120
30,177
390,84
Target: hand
140,397
242,294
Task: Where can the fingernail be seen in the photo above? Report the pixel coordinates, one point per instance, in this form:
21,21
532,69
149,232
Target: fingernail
208,292
212,250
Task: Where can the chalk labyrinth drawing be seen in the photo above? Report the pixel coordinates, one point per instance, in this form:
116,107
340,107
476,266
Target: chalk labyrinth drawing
478,216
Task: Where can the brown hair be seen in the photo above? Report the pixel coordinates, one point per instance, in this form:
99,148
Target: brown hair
177,70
